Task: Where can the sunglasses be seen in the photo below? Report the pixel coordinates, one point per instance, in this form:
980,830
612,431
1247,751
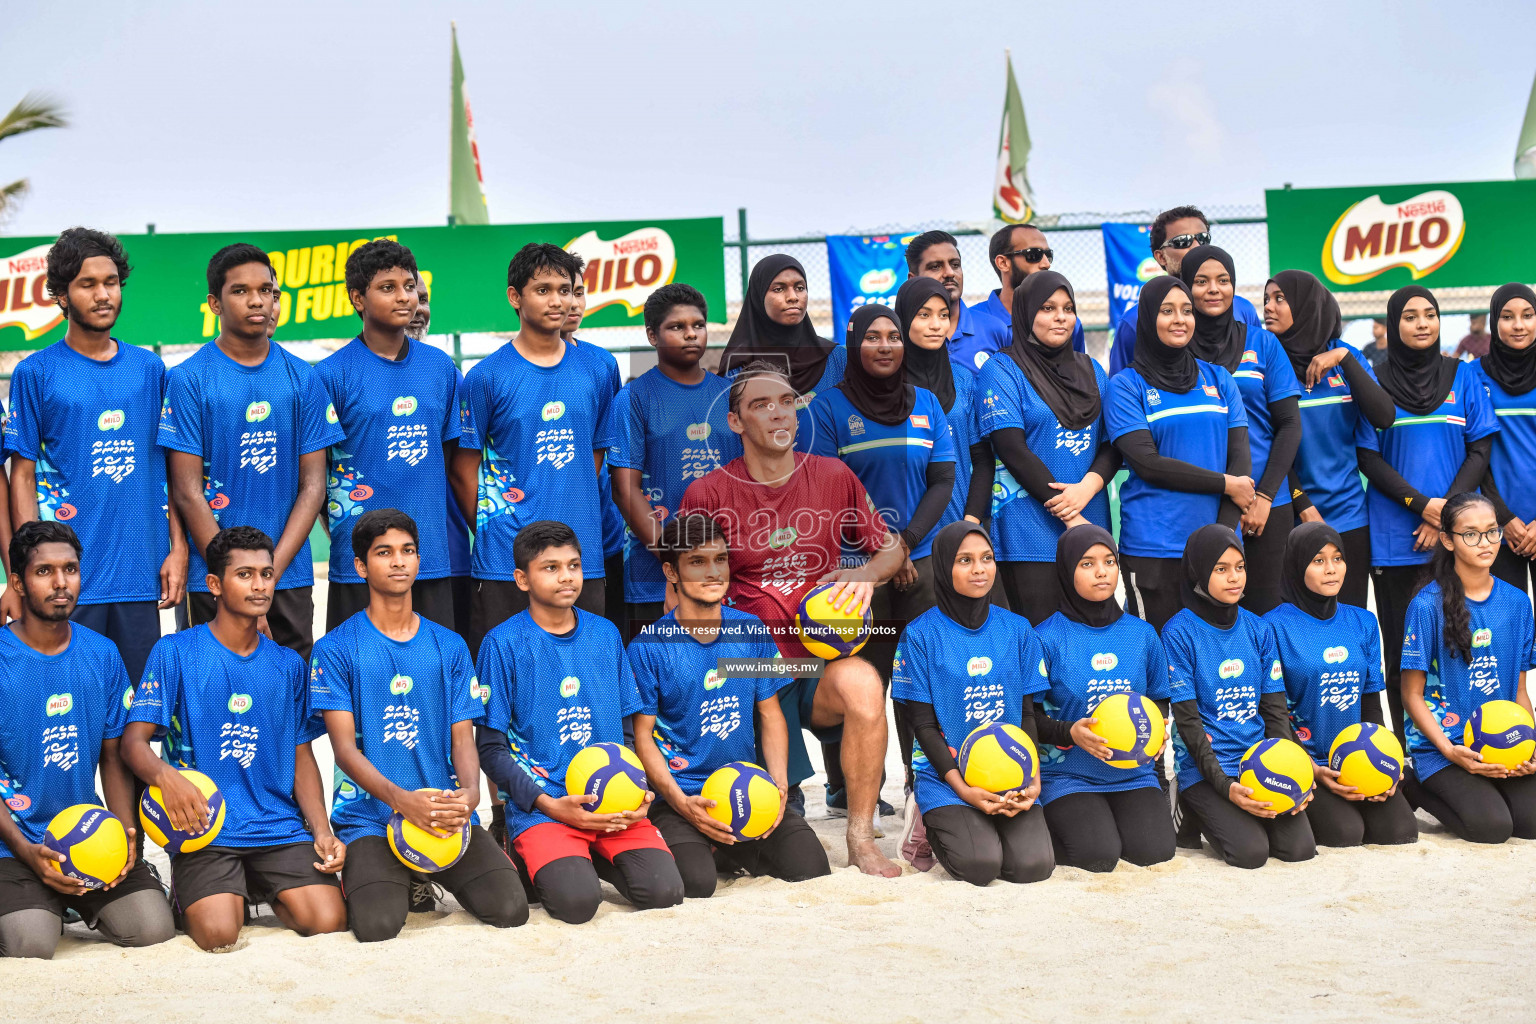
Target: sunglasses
1034,254
1188,241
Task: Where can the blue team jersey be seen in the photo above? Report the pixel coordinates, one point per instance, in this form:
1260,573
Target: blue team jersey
90,426
1513,459
1329,667
1123,349
1003,315
972,677
58,709
890,461
397,414
1427,451
250,425
1326,466
1264,376
554,695
405,697
238,719
537,428
976,336
1192,427
1453,688
673,434
704,720
1085,664
1224,671
965,428
1004,398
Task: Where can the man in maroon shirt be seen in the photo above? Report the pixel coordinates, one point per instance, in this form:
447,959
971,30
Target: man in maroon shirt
786,515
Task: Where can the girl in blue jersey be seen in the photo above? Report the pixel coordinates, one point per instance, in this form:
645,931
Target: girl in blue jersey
1330,654
1040,406
1098,814
1180,423
1228,693
961,665
1437,446
1257,361
1337,391
1468,641
1508,374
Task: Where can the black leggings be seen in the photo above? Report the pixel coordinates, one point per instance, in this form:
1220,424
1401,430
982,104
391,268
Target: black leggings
977,847
1357,560
1095,831
1394,591
1516,570
1265,555
376,887
1245,840
790,852
1339,822
1476,808
1031,589
1152,588
569,888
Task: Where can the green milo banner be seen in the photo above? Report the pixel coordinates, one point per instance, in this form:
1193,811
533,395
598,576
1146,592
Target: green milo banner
1381,237
465,267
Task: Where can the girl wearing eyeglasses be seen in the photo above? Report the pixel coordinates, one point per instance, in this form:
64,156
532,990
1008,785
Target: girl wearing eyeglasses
1437,446
1508,372
1469,640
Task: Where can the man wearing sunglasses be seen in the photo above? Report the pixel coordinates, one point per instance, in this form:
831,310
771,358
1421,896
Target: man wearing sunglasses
1017,251
1174,233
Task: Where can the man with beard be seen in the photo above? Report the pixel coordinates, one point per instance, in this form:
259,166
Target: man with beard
84,414
977,334
1018,250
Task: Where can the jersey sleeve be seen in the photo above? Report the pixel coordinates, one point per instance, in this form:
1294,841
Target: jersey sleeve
1481,419
766,650
181,416
318,424
998,403
629,694
1367,436
22,425
1370,643
1123,411
1421,632
647,680
1157,666
155,699
311,722
1279,378
474,408
453,422
497,675
330,678
466,697
1037,675
1181,668
1237,413
119,695
909,670
943,437
1269,649
823,429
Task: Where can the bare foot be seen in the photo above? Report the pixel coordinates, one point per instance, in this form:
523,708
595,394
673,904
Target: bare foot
863,854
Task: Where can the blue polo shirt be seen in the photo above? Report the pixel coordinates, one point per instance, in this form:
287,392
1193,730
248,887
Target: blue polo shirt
1124,347
1326,465
1513,459
1263,376
1004,315
976,336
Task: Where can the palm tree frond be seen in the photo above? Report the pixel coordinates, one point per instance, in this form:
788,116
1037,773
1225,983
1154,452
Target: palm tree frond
35,111
10,196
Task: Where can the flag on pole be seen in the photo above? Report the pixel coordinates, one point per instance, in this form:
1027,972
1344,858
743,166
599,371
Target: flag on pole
1525,152
466,186
1012,198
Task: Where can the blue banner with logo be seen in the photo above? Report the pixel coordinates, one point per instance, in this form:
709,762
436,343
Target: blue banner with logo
1129,264
864,269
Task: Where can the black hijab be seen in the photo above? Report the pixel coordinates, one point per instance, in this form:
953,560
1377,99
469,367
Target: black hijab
1300,548
1513,370
1070,548
887,400
1165,368
1218,339
970,612
1315,318
926,368
1417,379
756,335
1063,379
1201,553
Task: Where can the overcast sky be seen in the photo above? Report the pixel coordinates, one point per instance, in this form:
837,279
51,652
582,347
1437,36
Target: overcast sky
814,116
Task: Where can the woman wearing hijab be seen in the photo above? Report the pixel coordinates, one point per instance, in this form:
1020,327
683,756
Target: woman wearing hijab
1437,446
1228,693
1257,361
775,324
1098,814
1330,655
1180,423
1337,391
959,668
1040,408
1508,372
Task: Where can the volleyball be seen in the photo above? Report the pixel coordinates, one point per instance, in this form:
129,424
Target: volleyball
93,842
1132,726
1367,757
420,850
999,758
826,631
1503,732
746,798
612,773
157,823
1279,772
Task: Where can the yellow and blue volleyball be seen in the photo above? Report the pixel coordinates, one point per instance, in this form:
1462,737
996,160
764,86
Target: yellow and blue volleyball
828,632
93,842
420,850
746,798
1367,757
1503,732
999,758
157,823
1279,772
1132,727
612,773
